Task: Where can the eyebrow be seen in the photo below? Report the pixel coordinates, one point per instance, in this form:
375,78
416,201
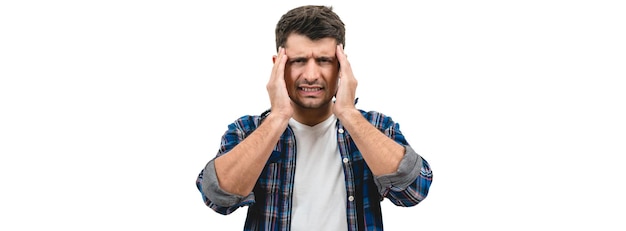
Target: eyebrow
331,58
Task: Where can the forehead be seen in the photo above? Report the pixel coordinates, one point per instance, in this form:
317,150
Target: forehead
300,45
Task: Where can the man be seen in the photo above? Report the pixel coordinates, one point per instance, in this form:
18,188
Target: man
313,161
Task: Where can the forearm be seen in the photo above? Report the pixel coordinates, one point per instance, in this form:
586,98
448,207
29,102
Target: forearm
238,170
381,153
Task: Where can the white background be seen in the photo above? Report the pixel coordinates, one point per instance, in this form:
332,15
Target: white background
109,109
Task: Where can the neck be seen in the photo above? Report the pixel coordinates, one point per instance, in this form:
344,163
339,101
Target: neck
311,117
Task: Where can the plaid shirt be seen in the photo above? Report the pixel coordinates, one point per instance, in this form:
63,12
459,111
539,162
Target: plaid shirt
270,201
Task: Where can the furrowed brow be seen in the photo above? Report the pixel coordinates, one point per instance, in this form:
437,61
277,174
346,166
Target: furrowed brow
325,58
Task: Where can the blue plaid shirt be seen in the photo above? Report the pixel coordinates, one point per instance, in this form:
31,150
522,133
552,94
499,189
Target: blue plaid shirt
270,201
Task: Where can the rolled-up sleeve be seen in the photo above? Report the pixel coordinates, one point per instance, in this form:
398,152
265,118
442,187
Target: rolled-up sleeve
215,197
409,185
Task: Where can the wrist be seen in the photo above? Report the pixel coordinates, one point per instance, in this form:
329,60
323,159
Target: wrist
346,114
278,117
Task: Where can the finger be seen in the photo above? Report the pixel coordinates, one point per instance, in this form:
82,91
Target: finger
340,53
276,61
343,61
279,64
280,71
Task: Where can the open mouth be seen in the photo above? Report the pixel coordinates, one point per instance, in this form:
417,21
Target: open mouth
310,89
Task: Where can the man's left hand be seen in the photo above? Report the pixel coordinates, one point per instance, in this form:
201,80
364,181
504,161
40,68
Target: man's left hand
346,91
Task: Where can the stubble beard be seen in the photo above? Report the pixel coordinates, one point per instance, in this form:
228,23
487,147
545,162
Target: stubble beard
312,105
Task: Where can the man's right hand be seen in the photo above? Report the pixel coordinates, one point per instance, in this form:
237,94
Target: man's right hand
276,87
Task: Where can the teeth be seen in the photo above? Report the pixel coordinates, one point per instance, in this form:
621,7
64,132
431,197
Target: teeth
310,89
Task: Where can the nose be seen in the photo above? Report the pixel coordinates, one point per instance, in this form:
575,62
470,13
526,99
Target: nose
311,71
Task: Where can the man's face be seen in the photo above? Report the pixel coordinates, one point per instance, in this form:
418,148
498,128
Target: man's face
311,71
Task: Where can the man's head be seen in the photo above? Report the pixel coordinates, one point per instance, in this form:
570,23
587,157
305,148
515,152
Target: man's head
314,22
310,35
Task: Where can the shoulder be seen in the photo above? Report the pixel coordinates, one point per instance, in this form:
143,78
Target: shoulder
377,118
247,122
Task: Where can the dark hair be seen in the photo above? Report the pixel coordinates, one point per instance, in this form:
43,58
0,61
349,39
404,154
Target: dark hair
315,22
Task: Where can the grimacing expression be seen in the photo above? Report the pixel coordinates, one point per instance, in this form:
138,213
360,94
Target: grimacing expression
312,70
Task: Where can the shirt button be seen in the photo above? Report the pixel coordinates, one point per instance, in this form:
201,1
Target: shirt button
350,198
345,160
340,130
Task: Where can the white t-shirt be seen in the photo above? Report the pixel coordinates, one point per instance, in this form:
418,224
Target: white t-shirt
319,195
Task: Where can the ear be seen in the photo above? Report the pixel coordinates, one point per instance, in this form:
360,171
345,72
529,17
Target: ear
274,59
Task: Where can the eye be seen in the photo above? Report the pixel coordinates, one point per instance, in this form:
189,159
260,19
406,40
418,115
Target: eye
324,60
298,61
